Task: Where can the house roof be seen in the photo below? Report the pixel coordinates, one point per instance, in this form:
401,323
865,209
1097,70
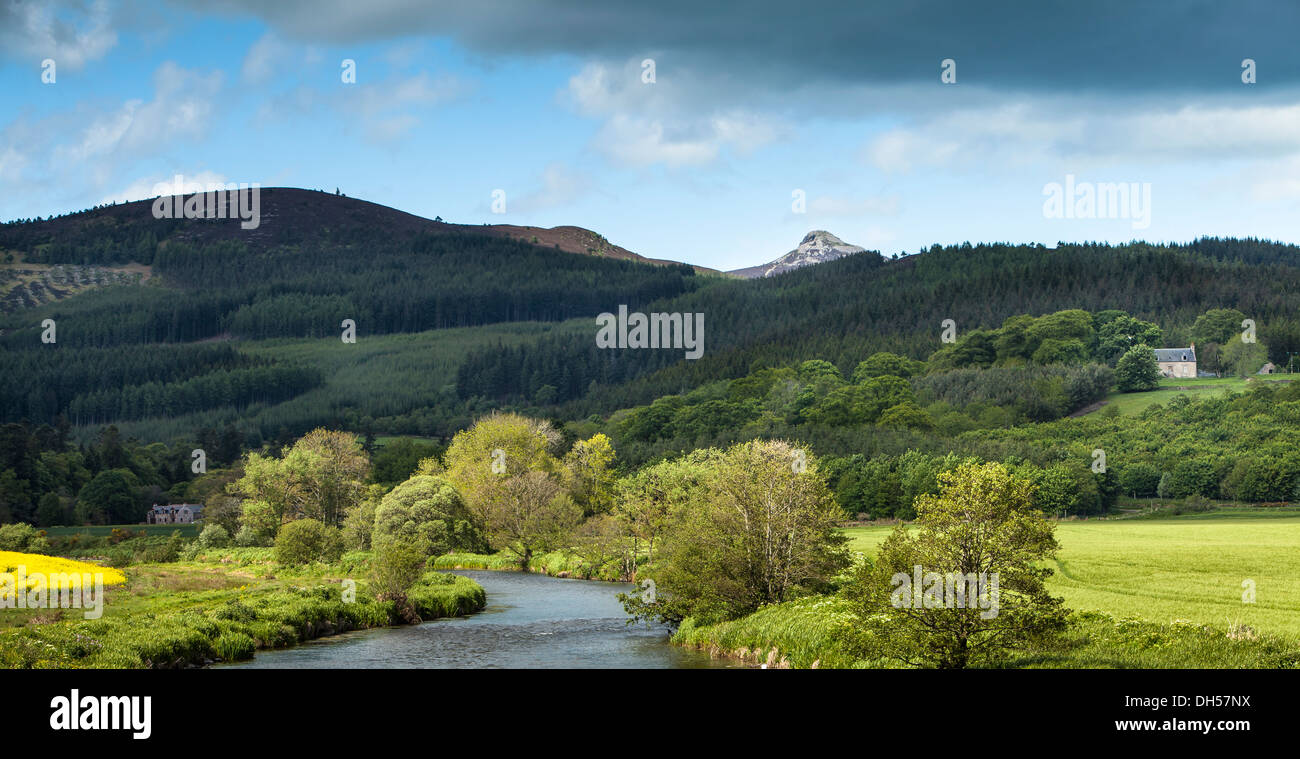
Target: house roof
1175,354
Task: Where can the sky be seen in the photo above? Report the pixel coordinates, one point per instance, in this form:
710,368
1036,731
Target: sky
717,134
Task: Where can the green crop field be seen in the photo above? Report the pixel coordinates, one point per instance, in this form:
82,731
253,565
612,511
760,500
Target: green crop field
1189,567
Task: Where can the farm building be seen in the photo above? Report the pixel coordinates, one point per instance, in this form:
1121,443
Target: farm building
174,513
1177,362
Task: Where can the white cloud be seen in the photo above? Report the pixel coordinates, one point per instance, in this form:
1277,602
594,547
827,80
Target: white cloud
1088,132
146,187
385,110
873,205
182,108
560,186
656,123
262,59
69,33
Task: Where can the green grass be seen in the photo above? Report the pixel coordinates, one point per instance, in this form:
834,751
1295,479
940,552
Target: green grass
799,634
555,564
808,633
1187,567
223,605
1131,404
186,530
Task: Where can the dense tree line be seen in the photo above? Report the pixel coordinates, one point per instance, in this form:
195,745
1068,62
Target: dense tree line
46,479
844,310
97,385
432,281
225,389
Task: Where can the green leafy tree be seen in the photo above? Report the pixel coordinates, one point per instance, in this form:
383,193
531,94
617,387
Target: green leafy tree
303,541
1241,358
396,567
1139,479
481,459
1119,333
589,464
1137,370
397,460
112,497
530,514
650,498
49,510
765,531
1218,325
428,513
882,363
981,525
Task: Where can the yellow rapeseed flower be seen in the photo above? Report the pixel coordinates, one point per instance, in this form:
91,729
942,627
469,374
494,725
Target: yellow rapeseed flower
36,563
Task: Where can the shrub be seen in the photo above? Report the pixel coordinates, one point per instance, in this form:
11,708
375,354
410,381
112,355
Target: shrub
213,536
166,552
247,538
17,537
397,566
306,540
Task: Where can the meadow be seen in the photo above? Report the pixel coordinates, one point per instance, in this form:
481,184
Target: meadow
1132,404
1147,593
1188,567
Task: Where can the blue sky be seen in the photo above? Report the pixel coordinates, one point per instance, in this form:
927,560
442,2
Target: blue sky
547,102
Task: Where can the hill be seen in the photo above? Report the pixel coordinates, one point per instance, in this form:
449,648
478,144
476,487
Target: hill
818,246
288,216
222,327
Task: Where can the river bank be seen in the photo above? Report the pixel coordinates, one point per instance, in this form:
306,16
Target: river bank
223,606
554,564
531,621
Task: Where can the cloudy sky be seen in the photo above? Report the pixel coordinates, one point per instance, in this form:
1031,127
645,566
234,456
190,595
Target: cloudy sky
761,121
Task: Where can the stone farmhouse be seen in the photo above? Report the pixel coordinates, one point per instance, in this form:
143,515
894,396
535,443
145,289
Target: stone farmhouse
1177,362
174,513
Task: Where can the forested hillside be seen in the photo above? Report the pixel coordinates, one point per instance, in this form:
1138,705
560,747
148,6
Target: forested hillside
845,310
434,306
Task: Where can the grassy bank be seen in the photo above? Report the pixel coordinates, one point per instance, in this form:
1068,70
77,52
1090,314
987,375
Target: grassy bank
555,564
803,634
1148,592
222,606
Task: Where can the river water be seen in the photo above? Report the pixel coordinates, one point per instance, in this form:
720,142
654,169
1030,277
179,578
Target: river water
531,621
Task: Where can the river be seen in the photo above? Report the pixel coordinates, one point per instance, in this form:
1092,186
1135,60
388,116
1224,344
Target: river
531,621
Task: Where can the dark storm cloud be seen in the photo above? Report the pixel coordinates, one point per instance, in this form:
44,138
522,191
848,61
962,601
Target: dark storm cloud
1105,46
